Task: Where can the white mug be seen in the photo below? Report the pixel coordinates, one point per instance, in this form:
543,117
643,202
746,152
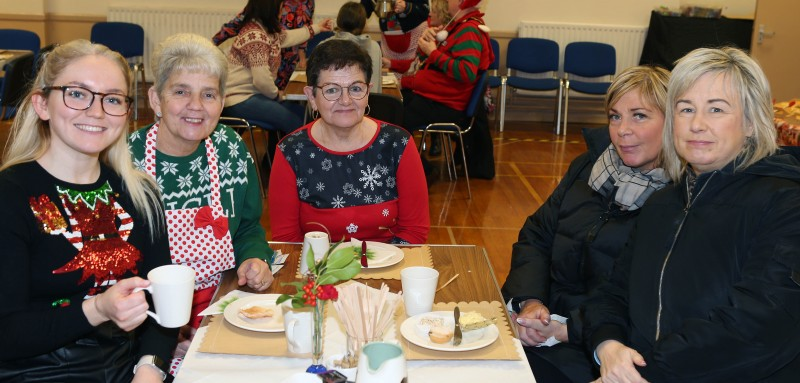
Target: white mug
419,289
172,288
297,322
317,241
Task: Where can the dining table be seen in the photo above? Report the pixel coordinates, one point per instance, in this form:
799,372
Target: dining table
474,285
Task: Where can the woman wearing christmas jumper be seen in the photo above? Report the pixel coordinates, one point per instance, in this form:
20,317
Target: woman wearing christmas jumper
80,228
356,176
207,178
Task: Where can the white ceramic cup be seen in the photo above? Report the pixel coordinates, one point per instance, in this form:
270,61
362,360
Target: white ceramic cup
419,288
297,322
172,288
319,242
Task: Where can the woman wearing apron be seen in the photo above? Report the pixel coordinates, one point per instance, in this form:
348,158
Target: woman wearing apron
205,173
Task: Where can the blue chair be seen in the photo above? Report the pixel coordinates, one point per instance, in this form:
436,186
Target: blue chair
314,41
592,62
450,128
494,80
128,40
18,76
535,57
19,39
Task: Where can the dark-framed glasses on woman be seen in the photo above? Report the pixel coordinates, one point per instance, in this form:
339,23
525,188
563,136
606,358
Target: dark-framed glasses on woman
356,90
80,98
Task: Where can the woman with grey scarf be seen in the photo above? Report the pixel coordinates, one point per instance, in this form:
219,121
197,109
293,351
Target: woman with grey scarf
568,247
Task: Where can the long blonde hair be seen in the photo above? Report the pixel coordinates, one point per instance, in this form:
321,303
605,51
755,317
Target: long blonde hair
30,136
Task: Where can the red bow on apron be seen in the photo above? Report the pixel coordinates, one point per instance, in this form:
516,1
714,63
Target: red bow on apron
199,236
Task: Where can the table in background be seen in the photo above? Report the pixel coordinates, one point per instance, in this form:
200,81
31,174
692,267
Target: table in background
476,282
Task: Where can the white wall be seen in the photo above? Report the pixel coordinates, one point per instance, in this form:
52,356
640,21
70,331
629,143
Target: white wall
501,15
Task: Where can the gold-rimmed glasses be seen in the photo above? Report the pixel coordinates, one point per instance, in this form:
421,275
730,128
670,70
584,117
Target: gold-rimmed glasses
333,92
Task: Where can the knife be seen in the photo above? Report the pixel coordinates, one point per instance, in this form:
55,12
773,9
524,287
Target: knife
364,254
457,332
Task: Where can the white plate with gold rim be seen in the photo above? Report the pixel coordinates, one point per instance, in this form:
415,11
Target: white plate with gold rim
417,333
271,324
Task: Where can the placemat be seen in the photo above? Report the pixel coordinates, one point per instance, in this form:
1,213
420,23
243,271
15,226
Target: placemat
502,349
225,338
412,256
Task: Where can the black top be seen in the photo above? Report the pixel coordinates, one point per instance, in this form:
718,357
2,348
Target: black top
708,288
63,243
568,246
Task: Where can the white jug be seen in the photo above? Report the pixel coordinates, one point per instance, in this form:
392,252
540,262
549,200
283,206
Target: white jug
381,362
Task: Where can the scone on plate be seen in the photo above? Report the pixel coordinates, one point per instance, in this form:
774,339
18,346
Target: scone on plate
257,312
440,334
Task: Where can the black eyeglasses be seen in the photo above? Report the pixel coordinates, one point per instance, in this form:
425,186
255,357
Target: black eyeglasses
80,98
333,92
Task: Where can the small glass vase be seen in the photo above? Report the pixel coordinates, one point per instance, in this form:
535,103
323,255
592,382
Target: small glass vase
354,345
318,323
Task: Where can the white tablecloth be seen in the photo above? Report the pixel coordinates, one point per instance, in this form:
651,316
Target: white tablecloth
206,367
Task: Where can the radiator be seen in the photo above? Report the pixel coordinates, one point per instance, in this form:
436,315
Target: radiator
628,40
158,23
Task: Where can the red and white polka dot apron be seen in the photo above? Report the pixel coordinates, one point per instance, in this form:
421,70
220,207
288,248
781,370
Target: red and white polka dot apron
207,249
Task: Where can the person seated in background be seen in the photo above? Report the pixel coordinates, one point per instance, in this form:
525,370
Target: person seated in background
439,91
349,26
355,176
80,228
254,58
708,287
401,28
294,14
568,246
439,16
207,178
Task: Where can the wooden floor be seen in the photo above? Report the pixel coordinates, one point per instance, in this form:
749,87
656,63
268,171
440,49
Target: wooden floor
530,161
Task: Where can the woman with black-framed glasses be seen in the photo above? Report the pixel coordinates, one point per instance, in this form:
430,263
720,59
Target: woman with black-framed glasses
80,227
356,176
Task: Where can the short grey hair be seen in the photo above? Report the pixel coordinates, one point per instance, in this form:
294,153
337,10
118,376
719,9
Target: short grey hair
188,52
746,79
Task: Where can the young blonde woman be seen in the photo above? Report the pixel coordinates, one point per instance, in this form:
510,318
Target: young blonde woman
80,226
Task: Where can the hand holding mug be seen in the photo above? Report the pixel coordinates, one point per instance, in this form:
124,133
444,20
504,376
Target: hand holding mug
121,303
172,288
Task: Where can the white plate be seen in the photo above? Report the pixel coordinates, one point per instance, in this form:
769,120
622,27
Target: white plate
471,340
274,324
385,255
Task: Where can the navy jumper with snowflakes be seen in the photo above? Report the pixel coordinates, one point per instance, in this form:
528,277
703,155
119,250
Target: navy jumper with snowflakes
376,193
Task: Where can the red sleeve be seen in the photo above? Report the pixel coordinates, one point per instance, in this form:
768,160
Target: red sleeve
414,221
284,203
401,66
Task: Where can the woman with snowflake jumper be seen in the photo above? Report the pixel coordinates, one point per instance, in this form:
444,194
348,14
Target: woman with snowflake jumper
207,178
80,228
354,175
